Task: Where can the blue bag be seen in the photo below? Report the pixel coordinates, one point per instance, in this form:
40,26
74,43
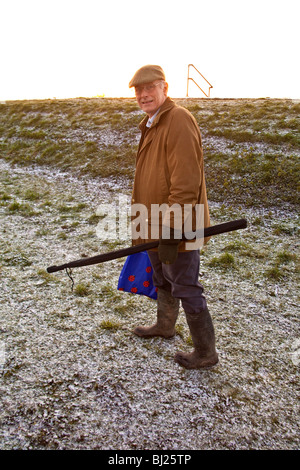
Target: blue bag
136,276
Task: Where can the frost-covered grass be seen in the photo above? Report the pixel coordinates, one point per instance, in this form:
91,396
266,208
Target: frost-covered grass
72,374
251,146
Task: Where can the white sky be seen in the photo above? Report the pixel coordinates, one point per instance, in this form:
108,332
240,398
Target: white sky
71,48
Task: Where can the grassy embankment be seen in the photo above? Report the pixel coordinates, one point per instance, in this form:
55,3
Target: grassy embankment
251,150
250,146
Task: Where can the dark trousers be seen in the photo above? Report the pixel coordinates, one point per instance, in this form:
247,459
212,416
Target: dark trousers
181,279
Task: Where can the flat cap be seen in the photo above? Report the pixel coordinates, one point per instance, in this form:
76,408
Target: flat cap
147,74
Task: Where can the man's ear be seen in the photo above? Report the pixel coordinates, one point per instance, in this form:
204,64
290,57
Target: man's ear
166,87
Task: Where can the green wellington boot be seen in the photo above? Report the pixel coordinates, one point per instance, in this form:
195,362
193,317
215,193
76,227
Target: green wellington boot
203,336
167,313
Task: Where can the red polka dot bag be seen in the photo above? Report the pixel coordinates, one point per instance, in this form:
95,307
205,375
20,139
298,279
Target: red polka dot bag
136,276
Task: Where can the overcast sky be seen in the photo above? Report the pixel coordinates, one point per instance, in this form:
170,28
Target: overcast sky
71,48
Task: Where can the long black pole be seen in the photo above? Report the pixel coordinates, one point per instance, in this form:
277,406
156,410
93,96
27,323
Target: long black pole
207,232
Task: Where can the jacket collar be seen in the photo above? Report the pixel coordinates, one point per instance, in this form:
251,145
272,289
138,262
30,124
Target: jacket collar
166,106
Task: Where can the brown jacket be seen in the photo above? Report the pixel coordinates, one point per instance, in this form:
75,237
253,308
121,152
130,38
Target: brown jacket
169,166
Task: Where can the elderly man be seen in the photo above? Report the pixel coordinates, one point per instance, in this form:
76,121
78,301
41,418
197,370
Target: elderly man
170,171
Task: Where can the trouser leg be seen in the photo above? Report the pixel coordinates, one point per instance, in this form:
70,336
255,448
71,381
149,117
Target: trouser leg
181,278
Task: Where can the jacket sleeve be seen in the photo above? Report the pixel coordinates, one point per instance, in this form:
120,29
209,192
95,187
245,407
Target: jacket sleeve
184,157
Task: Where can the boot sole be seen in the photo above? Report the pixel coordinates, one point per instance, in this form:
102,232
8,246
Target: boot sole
187,366
152,336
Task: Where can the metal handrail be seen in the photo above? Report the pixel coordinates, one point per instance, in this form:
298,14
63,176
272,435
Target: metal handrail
189,78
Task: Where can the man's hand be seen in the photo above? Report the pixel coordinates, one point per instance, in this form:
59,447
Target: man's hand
168,248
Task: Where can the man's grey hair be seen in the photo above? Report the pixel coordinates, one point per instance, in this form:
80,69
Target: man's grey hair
163,84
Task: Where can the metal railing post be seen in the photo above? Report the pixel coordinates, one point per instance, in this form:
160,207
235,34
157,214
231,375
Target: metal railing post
189,78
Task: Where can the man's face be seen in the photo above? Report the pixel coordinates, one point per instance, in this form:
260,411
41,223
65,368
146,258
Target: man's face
151,96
